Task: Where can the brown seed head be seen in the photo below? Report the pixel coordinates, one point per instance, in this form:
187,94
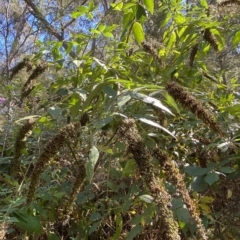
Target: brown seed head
190,102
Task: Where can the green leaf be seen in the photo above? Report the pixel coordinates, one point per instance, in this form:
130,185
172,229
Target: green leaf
108,34
123,99
198,184
211,178
236,39
54,111
149,5
147,198
196,170
180,19
93,157
183,215
126,205
95,216
134,232
27,223
171,102
94,227
100,123
166,20
77,62
141,14
91,6
138,32
129,168
226,169
53,236
150,100
110,91
117,6
176,203
97,89
171,40
204,3
154,124
119,225
77,14
100,63
136,220
233,110
9,180
74,104
26,118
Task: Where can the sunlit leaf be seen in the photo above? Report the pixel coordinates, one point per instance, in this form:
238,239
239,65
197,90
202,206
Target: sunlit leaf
26,118
117,6
74,104
236,39
77,62
123,99
233,110
149,5
154,124
138,32
179,18
146,198
90,164
204,4
150,100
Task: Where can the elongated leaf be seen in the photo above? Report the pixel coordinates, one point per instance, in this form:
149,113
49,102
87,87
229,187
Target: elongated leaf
74,104
204,3
28,223
93,157
236,39
150,100
149,5
180,19
154,124
134,232
92,94
147,198
233,110
28,117
138,32
94,227
119,225
100,63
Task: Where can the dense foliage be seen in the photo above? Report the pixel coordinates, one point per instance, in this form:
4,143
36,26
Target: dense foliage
119,120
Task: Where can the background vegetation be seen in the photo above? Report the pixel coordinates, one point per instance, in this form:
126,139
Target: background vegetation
119,119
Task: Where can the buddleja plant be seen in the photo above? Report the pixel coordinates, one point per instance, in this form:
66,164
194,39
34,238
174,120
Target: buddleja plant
131,145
